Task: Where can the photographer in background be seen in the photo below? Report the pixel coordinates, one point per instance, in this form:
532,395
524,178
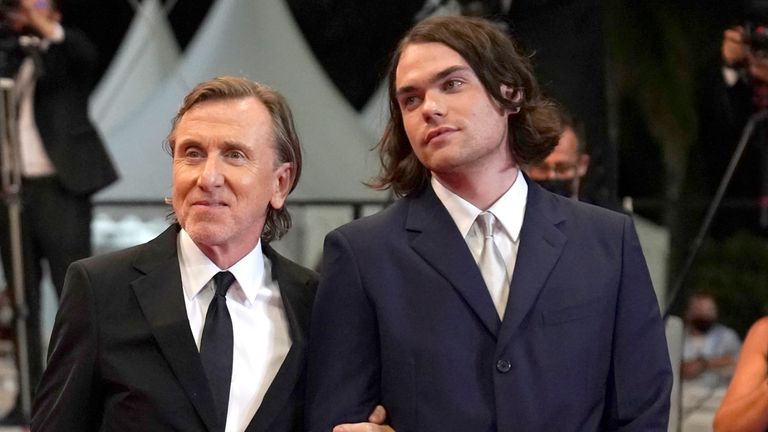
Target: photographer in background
745,58
727,98
63,159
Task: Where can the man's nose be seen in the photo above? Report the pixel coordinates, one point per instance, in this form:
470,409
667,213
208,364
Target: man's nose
433,106
211,174
552,173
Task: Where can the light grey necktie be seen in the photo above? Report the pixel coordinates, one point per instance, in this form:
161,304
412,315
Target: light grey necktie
491,263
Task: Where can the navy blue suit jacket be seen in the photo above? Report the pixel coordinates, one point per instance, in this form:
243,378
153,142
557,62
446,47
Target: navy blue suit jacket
403,318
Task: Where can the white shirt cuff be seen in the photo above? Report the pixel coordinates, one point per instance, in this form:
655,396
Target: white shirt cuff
730,76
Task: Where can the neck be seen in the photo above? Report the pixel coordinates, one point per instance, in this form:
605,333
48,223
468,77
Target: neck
481,189
225,257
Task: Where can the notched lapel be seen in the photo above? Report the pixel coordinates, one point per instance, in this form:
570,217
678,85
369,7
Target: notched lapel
438,241
541,243
160,297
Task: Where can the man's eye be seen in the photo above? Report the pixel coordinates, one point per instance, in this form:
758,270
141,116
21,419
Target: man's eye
409,101
235,154
193,153
453,84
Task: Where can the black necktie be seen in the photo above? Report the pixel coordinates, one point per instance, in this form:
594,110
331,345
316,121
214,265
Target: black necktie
216,345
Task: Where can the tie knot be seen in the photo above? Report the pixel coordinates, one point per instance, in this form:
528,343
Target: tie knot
486,222
222,281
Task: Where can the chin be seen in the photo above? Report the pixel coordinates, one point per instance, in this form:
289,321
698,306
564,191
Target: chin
207,231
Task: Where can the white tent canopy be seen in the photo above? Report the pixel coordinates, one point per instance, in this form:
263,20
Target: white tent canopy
259,40
147,56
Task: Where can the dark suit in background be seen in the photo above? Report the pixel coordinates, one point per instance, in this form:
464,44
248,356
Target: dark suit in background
56,210
123,357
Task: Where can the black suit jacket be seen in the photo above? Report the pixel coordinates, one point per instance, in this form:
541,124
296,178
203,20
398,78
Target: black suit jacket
122,356
66,78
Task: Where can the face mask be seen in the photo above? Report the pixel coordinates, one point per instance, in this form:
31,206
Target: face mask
702,324
562,187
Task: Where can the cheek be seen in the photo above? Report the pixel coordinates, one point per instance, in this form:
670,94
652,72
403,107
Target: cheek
179,182
411,126
255,187
177,197
182,182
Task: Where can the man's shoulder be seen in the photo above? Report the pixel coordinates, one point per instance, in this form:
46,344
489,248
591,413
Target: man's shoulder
724,331
162,245
581,211
107,259
383,222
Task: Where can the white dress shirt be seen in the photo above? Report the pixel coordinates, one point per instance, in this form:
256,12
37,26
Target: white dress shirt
509,210
34,159
260,326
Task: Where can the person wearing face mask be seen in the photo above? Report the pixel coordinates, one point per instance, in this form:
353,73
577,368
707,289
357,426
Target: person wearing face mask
562,171
710,349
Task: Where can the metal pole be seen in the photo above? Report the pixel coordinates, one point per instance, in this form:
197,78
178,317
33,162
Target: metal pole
10,177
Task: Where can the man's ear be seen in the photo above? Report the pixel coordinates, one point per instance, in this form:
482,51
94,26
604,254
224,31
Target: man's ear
583,165
283,180
515,96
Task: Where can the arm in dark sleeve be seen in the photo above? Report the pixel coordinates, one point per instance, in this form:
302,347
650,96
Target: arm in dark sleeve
71,63
344,362
68,396
641,380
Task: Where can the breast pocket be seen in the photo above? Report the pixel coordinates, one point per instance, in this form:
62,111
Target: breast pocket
580,311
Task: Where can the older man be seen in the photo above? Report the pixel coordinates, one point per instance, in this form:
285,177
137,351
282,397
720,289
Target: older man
205,327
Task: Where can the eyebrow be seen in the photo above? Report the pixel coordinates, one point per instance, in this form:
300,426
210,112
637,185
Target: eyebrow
436,78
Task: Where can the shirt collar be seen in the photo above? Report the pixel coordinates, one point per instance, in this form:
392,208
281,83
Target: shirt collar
197,269
509,209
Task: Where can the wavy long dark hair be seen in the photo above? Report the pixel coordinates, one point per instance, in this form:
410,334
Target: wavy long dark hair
497,61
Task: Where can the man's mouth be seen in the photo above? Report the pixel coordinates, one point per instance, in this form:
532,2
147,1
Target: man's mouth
434,133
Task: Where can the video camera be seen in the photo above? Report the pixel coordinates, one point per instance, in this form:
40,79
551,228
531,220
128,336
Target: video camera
756,27
756,36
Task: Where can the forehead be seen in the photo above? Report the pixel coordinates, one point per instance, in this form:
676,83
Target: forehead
703,304
567,147
239,119
420,61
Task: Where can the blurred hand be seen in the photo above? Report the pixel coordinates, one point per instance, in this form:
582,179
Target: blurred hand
377,419
734,49
37,15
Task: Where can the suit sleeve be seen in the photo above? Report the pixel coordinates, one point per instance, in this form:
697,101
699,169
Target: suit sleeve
81,54
641,380
344,362
67,398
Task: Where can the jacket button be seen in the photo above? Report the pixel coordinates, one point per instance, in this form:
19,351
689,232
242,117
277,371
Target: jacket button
503,366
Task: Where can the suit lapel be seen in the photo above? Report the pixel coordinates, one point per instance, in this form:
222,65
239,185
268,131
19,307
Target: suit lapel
438,241
541,243
297,298
161,300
